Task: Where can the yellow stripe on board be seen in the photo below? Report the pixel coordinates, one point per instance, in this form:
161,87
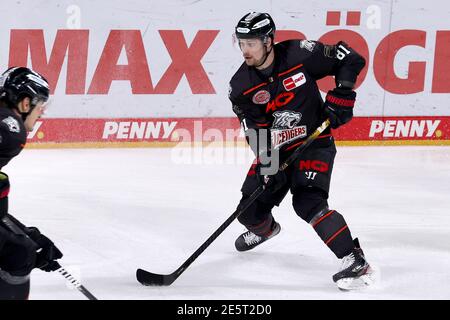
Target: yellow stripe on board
160,144
394,143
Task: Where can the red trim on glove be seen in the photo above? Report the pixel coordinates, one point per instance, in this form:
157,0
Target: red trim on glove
340,102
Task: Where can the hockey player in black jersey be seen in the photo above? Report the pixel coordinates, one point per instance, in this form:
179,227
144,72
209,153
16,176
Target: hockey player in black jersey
23,94
277,100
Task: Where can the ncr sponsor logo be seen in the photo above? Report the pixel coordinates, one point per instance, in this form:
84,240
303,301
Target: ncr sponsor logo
405,129
154,130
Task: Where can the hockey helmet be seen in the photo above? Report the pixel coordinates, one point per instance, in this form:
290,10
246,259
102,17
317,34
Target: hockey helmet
17,83
255,25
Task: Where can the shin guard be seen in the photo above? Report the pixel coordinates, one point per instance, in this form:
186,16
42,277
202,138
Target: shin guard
333,230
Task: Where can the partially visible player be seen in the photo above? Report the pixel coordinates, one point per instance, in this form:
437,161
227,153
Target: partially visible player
23,94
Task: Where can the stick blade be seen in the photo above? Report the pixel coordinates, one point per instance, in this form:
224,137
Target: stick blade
153,279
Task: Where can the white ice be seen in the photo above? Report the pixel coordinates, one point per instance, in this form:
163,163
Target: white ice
113,210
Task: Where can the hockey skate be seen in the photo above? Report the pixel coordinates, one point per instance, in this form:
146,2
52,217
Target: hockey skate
249,240
355,272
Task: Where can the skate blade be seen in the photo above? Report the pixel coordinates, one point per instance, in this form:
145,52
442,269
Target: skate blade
364,281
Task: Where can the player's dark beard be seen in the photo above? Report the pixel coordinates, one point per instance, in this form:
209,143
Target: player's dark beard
266,55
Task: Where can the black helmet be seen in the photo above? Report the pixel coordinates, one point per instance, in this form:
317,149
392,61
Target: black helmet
17,83
255,25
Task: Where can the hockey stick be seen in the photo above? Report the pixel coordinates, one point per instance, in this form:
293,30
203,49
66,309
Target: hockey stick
149,278
17,230
75,283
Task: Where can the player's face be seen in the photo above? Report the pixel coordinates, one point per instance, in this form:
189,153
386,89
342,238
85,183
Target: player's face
35,114
252,51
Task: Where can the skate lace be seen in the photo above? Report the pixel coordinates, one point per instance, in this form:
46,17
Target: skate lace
251,238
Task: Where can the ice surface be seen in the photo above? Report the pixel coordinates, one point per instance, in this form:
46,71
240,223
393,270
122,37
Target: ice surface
114,210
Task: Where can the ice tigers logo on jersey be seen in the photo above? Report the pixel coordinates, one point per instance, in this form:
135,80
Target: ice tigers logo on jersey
286,119
285,130
13,124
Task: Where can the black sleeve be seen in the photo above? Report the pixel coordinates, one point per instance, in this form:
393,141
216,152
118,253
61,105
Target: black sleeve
4,233
17,222
255,125
4,134
338,60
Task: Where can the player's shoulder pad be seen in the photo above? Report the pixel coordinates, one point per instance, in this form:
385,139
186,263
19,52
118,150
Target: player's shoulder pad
302,45
237,82
300,49
308,47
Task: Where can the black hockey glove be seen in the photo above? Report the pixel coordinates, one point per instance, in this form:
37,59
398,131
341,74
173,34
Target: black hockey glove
338,106
271,182
47,252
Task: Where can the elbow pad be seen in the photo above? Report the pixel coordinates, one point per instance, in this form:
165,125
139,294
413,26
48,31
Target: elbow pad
350,65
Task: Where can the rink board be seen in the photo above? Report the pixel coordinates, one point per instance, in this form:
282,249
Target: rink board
168,132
